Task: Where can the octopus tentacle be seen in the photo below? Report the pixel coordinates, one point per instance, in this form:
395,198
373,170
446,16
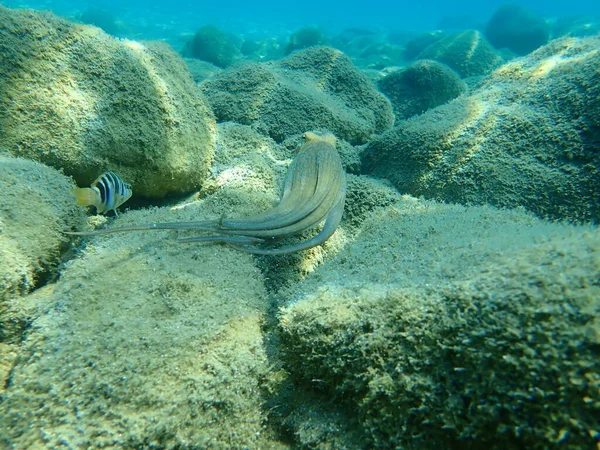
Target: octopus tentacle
314,190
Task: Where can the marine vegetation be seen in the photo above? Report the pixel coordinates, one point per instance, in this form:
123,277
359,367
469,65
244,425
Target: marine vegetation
314,190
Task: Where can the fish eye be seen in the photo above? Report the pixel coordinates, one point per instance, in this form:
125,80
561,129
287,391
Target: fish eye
304,136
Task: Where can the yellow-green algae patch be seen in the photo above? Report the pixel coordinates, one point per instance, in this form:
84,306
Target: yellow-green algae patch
442,325
77,99
36,205
143,343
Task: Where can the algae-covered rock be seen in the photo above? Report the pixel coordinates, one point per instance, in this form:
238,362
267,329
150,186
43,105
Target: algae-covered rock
468,53
313,88
420,42
36,206
248,161
442,325
102,18
423,85
201,70
370,50
212,45
304,38
143,343
510,143
78,99
514,27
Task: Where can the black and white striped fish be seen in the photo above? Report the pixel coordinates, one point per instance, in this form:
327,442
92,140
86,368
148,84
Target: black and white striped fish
107,192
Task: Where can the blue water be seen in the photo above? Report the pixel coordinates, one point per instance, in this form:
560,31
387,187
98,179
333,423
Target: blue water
161,19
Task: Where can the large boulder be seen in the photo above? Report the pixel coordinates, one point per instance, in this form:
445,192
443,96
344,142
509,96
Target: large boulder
212,45
513,27
36,207
247,161
528,136
468,53
141,344
420,42
310,89
423,85
304,38
75,98
443,325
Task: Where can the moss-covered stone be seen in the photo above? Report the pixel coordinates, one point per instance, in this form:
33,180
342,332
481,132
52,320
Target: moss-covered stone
101,18
36,207
304,38
247,161
201,70
417,44
311,89
423,85
468,53
509,143
445,326
143,343
212,45
514,27
77,99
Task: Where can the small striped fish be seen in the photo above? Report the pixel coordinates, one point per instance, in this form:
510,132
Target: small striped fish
107,193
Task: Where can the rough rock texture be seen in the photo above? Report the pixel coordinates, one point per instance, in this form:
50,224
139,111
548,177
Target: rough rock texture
314,88
36,205
529,136
212,45
248,161
201,70
420,42
513,27
423,85
443,326
468,53
370,50
249,168
304,38
142,343
78,99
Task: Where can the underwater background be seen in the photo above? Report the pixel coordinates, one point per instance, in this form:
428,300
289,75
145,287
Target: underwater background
324,225
166,20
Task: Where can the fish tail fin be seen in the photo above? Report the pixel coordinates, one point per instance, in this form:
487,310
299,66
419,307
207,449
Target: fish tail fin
85,196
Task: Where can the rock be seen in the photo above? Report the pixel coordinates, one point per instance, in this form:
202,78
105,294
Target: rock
443,324
468,53
304,38
575,26
423,85
36,207
77,99
102,18
417,44
201,70
310,89
510,143
143,342
370,50
247,161
214,46
512,26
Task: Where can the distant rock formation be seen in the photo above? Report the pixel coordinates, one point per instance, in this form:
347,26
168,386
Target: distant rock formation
314,88
527,136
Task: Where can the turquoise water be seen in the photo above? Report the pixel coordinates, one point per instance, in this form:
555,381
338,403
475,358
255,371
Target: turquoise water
168,20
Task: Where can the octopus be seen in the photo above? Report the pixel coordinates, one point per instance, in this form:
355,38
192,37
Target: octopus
314,191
